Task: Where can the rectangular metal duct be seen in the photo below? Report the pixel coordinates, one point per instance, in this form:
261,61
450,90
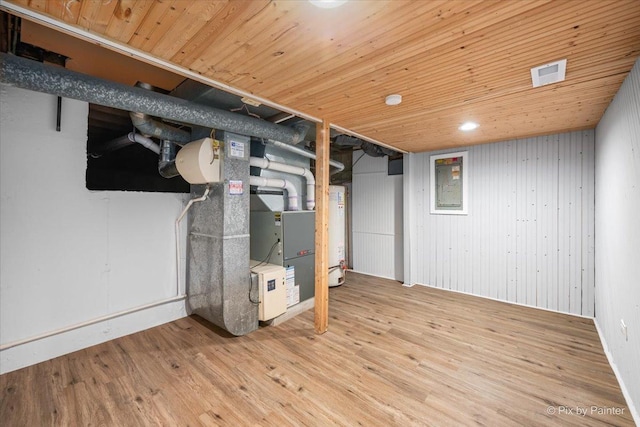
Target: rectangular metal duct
218,275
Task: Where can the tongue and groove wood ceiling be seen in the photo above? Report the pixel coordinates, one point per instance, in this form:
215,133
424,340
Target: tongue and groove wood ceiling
452,61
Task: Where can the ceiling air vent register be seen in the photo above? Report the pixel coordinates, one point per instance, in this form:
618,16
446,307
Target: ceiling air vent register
552,72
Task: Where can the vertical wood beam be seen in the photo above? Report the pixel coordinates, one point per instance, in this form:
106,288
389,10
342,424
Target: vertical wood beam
321,308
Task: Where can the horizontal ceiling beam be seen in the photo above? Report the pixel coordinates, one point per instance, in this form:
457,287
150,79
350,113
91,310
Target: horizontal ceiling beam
126,50
87,36
366,138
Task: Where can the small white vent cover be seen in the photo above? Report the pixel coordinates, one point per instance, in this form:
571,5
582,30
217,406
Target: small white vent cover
552,72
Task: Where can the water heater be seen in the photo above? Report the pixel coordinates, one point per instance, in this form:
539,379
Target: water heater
337,221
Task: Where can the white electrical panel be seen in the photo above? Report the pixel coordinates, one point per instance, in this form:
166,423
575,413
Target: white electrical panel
272,289
200,162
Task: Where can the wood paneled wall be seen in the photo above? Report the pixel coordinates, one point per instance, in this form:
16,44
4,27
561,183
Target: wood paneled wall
377,218
529,234
618,230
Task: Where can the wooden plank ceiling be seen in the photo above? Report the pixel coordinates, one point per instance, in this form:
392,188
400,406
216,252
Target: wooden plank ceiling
452,61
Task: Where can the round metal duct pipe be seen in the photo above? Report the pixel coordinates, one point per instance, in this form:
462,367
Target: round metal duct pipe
33,75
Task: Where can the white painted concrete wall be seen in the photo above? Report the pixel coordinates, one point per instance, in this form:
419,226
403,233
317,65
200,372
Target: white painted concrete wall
68,255
529,234
377,218
618,234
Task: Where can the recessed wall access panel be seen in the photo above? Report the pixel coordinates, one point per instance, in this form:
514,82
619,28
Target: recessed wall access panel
449,183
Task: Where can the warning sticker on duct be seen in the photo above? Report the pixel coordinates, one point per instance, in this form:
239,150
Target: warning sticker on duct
235,187
237,149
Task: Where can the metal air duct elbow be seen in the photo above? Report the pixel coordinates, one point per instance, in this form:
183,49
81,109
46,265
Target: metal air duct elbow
149,126
167,162
374,150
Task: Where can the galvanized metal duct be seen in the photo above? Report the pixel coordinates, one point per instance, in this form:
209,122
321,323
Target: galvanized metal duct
348,141
368,147
374,150
33,75
218,276
149,126
167,162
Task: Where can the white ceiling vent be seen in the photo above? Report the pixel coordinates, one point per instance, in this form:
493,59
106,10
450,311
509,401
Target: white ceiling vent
552,72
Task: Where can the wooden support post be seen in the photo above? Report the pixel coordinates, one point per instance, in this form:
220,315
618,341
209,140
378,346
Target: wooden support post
322,228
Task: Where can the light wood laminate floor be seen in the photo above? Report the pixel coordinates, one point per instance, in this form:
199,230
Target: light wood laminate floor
393,356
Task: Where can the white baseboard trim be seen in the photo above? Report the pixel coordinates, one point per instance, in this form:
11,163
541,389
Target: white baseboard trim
505,301
634,411
374,275
41,350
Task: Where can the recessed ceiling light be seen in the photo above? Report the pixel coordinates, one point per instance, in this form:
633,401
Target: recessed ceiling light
467,126
327,4
394,99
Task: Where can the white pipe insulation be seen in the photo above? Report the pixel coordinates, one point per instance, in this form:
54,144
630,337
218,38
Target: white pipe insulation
260,181
91,322
145,142
263,163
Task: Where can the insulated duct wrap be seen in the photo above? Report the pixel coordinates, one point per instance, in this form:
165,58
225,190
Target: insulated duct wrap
154,128
33,75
